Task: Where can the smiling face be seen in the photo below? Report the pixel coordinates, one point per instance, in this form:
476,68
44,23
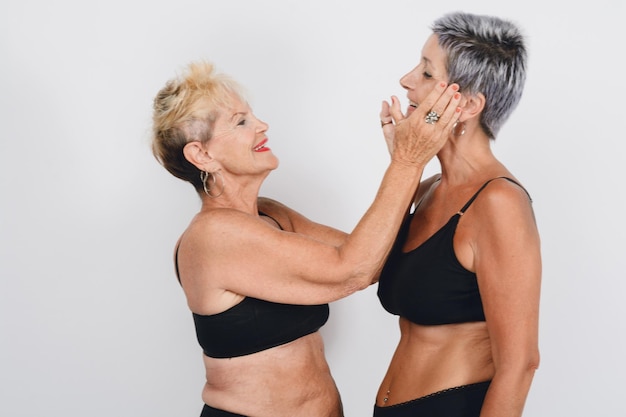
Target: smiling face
239,142
422,79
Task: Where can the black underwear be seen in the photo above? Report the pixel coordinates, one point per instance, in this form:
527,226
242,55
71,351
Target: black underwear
463,401
208,411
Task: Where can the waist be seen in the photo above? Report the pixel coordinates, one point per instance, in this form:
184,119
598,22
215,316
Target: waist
289,379
429,359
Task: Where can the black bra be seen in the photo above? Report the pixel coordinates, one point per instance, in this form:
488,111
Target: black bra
254,325
428,285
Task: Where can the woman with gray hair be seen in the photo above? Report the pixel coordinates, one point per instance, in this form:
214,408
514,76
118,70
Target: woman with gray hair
258,276
464,275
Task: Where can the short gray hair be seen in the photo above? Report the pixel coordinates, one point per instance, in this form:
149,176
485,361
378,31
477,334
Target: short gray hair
486,55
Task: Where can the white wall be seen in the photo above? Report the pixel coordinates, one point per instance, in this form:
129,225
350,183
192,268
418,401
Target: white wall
92,320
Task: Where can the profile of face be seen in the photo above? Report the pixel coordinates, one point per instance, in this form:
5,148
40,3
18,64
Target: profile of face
422,79
239,144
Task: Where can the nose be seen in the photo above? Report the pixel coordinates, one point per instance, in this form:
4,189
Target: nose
263,126
407,80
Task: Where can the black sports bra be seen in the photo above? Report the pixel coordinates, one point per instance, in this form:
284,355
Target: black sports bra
254,325
428,285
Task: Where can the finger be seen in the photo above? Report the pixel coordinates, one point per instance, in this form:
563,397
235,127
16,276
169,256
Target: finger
385,115
432,97
384,111
396,111
444,101
451,112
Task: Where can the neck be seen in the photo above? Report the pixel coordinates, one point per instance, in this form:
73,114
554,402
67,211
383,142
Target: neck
465,157
240,193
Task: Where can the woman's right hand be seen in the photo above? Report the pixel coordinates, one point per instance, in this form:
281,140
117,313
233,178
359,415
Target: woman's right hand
415,141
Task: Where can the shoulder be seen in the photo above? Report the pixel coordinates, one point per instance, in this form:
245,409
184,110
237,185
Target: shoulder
219,225
272,207
426,185
505,191
283,215
428,182
504,202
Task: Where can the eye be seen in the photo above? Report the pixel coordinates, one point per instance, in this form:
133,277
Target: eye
427,75
242,122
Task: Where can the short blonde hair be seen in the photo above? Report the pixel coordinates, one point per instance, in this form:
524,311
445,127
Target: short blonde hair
184,111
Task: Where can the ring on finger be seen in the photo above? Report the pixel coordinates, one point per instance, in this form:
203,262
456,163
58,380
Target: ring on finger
382,124
431,117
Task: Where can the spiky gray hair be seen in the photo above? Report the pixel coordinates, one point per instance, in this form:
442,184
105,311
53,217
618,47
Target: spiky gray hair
486,55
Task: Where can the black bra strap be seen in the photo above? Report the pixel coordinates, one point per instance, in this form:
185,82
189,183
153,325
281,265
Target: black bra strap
471,200
275,221
176,263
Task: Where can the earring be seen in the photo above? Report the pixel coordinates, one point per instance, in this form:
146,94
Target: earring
454,129
204,176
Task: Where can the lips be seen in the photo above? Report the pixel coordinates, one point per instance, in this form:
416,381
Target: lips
261,146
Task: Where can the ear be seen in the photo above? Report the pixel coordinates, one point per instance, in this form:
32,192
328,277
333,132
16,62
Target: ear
472,106
196,153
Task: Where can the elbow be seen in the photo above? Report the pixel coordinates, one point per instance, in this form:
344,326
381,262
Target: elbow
364,277
354,275
357,283
530,362
533,361
523,365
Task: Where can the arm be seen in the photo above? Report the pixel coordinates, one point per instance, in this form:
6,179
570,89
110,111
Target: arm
234,251
293,221
508,266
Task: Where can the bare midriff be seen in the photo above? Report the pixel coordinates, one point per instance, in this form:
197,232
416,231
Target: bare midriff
429,359
291,380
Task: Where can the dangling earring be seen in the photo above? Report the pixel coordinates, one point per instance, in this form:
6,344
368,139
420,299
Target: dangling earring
204,176
454,129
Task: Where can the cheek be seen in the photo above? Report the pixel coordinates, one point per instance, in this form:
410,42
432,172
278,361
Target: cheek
423,89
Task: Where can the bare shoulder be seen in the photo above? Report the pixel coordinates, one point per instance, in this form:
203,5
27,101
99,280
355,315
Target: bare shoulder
426,185
505,190
428,182
506,200
272,207
267,203
283,215
218,225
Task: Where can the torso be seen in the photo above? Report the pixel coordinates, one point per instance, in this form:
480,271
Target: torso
442,345
275,370
291,380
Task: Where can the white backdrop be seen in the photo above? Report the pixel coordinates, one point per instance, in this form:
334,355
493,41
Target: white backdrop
92,320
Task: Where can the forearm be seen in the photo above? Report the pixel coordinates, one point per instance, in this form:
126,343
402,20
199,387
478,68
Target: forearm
371,240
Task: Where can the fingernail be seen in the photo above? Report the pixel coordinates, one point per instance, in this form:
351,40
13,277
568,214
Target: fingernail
442,84
457,96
